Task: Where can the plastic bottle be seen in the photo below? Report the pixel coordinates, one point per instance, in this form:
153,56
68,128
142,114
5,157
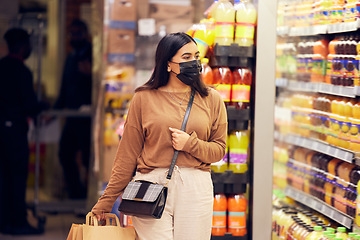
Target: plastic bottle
352,236
246,16
207,74
210,12
222,78
238,151
237,205
341,233
354,130
352,193
357,237
316,234
224,23
357,216
331,236
325,235
330,59
204,36
242,78
320,50
219,215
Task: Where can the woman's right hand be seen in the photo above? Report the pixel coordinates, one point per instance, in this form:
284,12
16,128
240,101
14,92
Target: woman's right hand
100,217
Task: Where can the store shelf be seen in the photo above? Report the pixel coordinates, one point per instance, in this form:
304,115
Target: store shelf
321,147
229,182
319,206
318,87
228,237
238,119
319,29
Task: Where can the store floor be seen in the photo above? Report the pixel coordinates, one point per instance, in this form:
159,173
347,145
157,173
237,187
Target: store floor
56,228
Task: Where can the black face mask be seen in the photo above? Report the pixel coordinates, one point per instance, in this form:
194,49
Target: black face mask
189,72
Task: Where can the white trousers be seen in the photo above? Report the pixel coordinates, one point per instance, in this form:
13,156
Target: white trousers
188,210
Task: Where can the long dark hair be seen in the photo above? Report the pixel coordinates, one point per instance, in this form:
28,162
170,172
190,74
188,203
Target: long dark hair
166,49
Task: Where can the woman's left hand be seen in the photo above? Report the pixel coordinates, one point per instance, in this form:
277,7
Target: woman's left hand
179,138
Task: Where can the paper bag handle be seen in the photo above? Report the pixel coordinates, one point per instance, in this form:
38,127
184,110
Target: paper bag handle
108,216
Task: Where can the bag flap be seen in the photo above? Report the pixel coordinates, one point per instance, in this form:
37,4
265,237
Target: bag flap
134,191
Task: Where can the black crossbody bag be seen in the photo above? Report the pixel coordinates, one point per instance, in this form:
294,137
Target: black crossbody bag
147,199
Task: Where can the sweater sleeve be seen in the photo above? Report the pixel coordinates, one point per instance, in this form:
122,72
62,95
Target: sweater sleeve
213,149
129,149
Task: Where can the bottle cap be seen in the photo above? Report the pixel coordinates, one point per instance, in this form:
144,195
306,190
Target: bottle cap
357,237
318,228
352,234
341,229
337,238
330,229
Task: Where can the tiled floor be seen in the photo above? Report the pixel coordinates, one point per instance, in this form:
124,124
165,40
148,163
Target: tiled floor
56,228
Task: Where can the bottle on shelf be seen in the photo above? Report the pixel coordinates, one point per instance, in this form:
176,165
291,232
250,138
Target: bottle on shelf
331,236
320,54
354,129
352,236
238,151
224,23
341,233
237,205
207,74
222,78
240,90
316,234
246,17
210,12
357,216
219,215
330,59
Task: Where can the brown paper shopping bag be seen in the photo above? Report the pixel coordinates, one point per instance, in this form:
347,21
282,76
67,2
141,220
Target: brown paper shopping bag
111,231
76,232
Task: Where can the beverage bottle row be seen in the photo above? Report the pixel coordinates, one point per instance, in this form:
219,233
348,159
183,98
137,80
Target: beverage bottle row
233,23
306,13
233,85
291,223
335,120
236,156
229,215
329,179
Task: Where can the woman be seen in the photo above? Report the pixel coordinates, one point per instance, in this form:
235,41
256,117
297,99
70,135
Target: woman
152,133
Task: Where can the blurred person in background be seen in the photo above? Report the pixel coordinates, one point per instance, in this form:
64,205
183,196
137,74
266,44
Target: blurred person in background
17,102
75,93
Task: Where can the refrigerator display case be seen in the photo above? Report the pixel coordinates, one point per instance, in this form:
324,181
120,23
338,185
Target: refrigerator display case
316,136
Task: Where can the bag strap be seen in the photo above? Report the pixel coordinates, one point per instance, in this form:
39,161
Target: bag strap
183,125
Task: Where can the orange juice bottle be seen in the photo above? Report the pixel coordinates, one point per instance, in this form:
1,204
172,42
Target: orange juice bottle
355,127
320,49
246,16
237,205
330,58
224,23
219,215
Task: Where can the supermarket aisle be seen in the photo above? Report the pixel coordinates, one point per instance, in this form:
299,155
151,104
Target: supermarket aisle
57,227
